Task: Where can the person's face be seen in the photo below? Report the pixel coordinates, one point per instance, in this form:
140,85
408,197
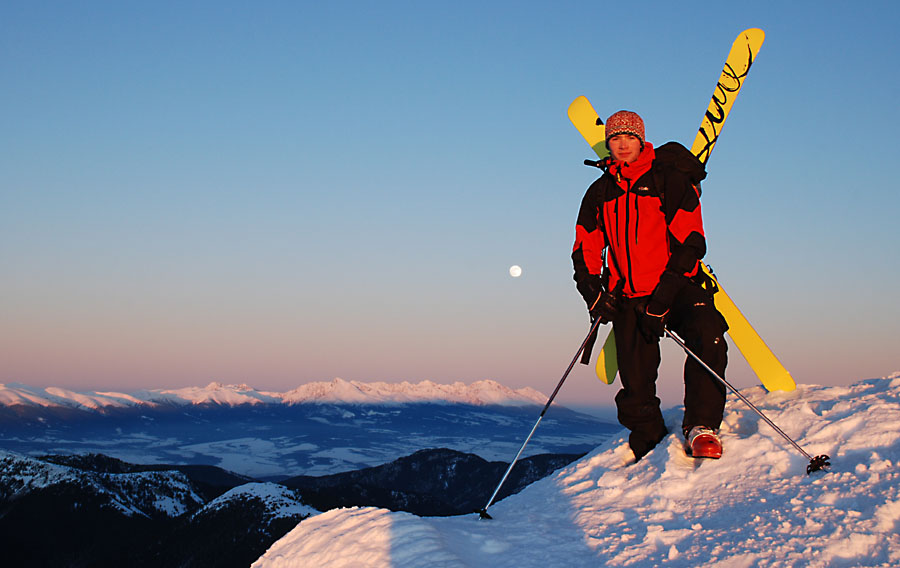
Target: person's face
625,147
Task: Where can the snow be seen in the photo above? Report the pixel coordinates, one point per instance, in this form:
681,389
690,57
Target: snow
216,393
30,475
18,394
754,507
280,501
479,393
167,492
250,456
137,493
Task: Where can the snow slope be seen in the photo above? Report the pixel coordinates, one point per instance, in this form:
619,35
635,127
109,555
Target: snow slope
279,501
754,507
145,493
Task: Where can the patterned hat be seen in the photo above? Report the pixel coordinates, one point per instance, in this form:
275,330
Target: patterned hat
625,122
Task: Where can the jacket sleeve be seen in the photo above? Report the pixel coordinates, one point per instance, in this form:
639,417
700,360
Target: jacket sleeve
687,241
590,242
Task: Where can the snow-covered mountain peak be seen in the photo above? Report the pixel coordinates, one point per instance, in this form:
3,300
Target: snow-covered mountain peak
354,392
14,394
337,391
142,493
278,500
213,393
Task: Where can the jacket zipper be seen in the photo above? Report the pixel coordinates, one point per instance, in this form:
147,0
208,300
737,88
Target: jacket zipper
628,198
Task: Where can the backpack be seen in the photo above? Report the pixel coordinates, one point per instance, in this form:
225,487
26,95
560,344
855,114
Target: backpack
673,155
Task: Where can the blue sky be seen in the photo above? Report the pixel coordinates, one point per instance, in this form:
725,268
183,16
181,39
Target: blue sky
283,192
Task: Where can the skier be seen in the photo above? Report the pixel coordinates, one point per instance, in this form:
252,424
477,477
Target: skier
638,243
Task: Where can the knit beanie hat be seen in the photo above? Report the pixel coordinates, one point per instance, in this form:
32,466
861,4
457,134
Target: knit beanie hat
625,122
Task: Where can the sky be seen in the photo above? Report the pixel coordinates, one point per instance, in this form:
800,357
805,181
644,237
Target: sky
275,193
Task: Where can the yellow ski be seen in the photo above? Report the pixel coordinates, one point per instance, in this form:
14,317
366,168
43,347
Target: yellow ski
591,127
585,119
737,65
770,371
772,374
607,360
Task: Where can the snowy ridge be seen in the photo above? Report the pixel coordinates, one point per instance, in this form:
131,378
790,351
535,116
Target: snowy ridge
213,393
147,494
754,507
14,394
337,391
279,500
477,393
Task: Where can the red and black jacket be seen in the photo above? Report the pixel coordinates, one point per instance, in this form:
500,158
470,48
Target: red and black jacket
639,220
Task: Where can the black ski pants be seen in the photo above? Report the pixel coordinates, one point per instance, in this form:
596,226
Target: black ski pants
694,317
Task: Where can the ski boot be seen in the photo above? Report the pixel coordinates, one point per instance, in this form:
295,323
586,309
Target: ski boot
702,442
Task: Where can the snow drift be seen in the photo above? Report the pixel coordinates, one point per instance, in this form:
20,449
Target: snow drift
754,507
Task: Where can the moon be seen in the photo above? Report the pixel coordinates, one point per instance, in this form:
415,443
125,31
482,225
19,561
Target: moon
515,271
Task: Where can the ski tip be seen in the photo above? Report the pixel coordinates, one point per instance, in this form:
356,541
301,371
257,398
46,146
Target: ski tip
581,110
579,101
754,37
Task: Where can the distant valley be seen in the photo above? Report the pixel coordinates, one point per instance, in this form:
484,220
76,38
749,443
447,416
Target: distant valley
212,476
317,429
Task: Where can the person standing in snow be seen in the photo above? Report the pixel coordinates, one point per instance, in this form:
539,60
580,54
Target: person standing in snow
638,243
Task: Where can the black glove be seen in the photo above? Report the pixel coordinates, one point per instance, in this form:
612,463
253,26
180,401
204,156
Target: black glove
652,318
605,308
652,314
604,305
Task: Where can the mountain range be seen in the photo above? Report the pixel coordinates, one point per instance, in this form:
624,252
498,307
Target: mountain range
338,391
214,475
316,429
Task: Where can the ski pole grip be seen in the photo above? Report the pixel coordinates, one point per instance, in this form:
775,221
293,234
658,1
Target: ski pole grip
602,163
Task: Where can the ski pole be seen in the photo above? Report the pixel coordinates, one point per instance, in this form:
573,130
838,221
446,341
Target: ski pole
483,512
815,463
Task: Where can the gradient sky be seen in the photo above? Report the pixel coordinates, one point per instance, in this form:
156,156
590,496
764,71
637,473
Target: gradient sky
276,193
